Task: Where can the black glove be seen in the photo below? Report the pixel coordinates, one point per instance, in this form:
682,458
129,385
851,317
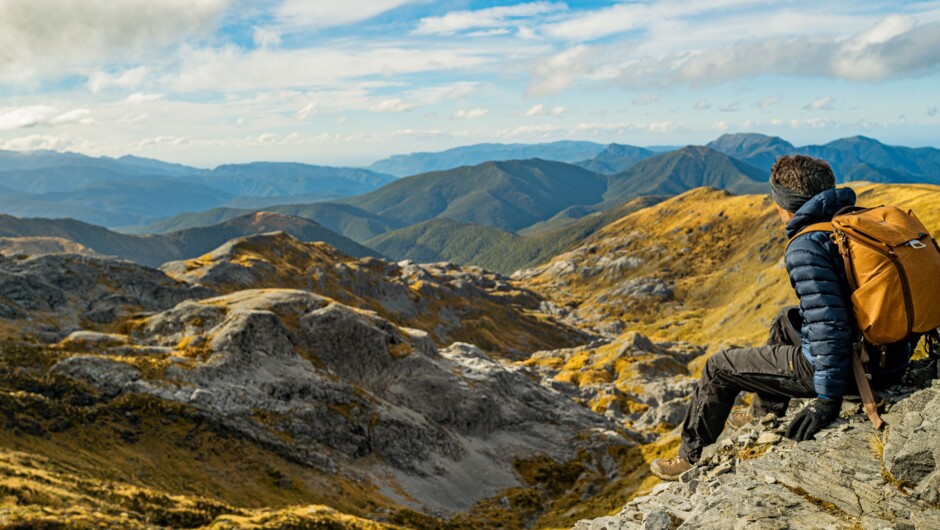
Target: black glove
813,418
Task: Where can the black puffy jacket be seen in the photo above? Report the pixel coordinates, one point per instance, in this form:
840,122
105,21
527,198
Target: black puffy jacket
817,273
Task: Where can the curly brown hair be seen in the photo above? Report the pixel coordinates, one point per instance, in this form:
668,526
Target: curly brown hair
803,174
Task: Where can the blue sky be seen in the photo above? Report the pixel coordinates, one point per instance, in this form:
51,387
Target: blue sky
207,82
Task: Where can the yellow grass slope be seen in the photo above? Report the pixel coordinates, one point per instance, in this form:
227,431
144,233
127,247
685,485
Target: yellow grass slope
141,463
720,256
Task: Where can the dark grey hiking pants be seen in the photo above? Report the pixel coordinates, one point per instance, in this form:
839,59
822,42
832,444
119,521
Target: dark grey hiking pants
775,373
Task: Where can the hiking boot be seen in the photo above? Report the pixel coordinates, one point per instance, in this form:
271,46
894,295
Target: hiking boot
740,418
670,469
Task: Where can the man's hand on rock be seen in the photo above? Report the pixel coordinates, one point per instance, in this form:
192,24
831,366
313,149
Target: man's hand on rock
813,418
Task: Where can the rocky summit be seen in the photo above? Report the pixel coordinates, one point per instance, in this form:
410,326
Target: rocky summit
450,302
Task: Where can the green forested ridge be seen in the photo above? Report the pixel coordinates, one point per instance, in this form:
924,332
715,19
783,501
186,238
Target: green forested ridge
508,195
491,248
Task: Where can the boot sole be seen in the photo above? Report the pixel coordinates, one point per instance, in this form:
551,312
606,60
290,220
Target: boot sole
664,476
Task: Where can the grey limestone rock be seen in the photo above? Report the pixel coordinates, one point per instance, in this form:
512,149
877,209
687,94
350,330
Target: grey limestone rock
71,288
336,387
912,444
109,376
837,481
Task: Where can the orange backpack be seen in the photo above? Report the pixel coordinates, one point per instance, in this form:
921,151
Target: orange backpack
893,268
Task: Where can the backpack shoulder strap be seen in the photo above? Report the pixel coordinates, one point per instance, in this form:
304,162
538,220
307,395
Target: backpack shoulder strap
815,227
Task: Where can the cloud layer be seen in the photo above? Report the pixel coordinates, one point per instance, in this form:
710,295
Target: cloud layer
300,79
43,38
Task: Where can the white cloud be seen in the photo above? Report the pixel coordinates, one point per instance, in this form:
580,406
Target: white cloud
560,71
490,32
131,78
266,37
306,111
52,38
132,118
23,117
625,17
328,13
536,110
161,140
861,58
40,115
525,32
731,107
431,94
767,102
541,110
469,114
493,17
646,99
824,103
138,98
232,70
662,127
392,105
702,105
812,123
529,130
72,116
676,51
36,142
587,128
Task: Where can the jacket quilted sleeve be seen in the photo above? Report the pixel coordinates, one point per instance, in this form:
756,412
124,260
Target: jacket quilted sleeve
817,275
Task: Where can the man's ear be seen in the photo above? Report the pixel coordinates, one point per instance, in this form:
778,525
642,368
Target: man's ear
785,216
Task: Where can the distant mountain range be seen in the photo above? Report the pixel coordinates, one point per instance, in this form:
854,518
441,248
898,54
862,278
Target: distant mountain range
155,250
133,191
497,213
852,159
471,155
473,214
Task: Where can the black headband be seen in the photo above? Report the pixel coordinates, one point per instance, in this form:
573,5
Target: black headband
789,200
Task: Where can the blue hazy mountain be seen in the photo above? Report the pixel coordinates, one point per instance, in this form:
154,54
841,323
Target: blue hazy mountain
132,190
853,159
153,250
616,158
471,155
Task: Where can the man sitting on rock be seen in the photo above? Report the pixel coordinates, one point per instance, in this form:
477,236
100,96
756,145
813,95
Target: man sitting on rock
809,351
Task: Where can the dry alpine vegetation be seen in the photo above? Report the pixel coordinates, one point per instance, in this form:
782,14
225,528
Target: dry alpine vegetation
273,383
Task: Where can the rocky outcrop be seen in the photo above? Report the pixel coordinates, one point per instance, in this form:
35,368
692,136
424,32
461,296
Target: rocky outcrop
69,289
849,477
451,303
31,246
641,385
344,390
